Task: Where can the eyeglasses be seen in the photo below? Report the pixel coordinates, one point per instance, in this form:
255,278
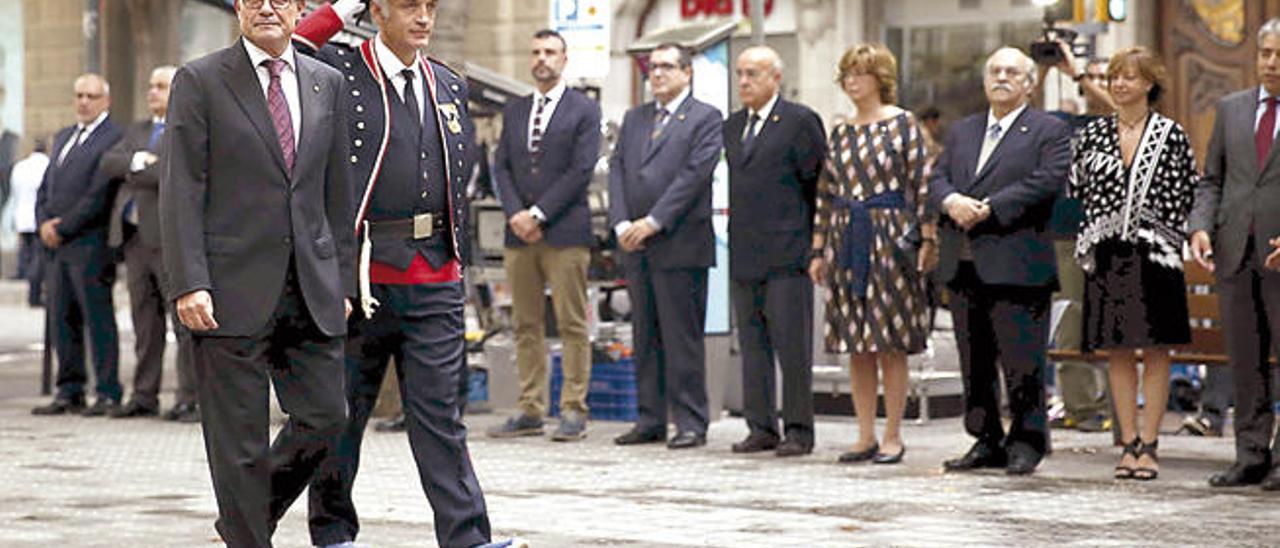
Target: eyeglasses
277,4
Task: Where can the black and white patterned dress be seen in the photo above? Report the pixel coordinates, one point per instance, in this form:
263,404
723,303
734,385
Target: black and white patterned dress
880,170
1130,242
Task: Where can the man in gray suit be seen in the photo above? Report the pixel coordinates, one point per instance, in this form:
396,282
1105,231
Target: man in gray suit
1233,219
135,227
255,220
660,208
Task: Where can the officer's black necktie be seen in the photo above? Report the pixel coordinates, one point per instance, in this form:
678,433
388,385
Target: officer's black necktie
411,99
749,140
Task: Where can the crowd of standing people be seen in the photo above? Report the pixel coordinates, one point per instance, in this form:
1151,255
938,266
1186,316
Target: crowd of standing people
295,208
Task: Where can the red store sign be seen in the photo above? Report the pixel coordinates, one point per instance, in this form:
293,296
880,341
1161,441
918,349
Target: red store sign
695,8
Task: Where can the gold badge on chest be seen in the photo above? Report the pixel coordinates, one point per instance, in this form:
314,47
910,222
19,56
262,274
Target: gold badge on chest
451,118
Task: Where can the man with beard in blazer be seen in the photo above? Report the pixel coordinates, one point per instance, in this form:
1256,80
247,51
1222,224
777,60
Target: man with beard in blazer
135,227
775,150
255,222
72,207
660,207
410,136
996,181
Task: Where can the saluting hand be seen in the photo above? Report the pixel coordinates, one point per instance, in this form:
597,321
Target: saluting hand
195,310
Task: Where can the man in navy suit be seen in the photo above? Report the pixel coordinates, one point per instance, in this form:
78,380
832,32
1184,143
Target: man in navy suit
996,181
775,149
543,164
410,139
660,207
72,209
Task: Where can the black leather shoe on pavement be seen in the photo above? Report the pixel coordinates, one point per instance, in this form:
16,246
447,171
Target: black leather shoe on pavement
183,412
981,455
687,440
1021,463
101,408
1272,481
793,448
1239,475
133,409
636,436
60,406
756,443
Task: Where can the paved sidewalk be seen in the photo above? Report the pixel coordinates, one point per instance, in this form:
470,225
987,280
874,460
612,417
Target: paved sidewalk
70,481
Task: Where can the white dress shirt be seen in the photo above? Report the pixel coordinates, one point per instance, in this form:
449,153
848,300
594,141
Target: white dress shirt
288,81
80,134
392,65
25,179
762,115
553,98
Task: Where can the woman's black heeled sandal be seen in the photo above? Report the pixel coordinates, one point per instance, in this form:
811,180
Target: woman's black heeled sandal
1133,448
1146,473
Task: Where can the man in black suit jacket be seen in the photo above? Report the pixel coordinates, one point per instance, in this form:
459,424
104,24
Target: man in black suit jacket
660,207
775,150
135,227
996,180
545,158
71,209
255,223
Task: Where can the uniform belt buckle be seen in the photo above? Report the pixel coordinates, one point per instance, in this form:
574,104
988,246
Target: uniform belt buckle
422,226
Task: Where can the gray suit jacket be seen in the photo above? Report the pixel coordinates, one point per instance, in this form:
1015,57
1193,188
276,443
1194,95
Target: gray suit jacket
143,187
670,180
1235,191
232,215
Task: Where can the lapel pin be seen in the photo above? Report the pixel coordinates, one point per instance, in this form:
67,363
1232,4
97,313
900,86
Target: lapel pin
776,118
316,88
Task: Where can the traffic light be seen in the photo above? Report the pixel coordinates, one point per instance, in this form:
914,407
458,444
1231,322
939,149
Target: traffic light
1111,10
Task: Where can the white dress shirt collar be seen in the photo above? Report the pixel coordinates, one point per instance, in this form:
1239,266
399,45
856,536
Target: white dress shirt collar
765,110
553,95
1004,122
92,126
675,103
257,55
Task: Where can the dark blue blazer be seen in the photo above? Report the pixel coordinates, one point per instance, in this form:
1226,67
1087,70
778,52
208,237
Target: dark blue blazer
1021,179
77,191
570,146
772,190
365,111
670,180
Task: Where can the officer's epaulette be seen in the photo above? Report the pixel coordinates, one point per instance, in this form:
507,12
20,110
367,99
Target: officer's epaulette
453,73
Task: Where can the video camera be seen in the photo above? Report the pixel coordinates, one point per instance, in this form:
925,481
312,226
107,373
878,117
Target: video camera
1045,50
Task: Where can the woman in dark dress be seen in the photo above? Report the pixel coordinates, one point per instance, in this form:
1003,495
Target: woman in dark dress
1135,174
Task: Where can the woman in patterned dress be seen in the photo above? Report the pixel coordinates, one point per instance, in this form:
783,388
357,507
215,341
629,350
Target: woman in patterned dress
1135,174
870,206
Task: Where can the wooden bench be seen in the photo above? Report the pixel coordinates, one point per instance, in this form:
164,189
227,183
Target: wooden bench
1207,345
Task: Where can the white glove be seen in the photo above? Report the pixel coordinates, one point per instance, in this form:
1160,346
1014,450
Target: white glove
347,10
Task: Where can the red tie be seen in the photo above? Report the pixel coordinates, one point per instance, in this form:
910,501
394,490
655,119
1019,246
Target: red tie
1266,131
283,121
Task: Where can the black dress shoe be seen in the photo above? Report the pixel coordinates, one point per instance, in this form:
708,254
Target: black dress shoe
687,440
793,448
100,408
393,424
1272,481
1239,475
637,436
885,458
1021,463
756,443
60,406
182,412
133,409
859,456
981,455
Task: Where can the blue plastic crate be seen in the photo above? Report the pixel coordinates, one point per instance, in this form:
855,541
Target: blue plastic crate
611,394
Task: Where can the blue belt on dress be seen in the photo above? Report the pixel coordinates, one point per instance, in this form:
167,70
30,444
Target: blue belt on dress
854,253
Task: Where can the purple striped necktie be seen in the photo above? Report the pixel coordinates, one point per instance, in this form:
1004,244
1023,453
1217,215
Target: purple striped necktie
279,108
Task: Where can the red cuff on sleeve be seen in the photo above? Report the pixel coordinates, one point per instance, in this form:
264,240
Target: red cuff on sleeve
318,27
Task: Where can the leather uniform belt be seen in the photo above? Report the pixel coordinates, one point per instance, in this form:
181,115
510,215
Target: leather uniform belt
419,227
